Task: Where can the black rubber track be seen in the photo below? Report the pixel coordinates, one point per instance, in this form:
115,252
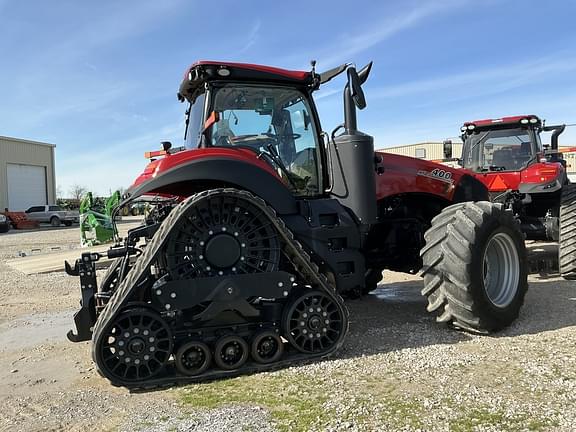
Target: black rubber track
453,266
567,241
301,261
110,277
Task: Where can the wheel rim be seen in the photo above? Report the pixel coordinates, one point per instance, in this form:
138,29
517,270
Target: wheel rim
501,270
231,352
314,323
267,347
193,358
222,235
136,346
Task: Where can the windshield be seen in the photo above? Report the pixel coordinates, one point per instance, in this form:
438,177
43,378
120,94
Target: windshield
499,150
195,118
276,123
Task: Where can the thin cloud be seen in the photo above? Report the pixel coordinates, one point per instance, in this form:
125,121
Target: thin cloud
130,20
352,44
252,37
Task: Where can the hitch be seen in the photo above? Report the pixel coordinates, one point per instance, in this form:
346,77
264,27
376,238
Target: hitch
85,318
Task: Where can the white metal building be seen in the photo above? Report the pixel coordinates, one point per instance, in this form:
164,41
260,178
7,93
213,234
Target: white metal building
427,150
27,175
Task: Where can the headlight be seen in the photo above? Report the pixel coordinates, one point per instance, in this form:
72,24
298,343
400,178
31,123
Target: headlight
551,185
3,218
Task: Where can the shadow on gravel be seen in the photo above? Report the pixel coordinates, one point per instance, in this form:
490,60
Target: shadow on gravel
549,305
394,317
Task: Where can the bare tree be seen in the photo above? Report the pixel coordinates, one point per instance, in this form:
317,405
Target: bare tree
77,191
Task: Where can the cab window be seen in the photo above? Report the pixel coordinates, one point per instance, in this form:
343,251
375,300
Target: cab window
275,122
195,118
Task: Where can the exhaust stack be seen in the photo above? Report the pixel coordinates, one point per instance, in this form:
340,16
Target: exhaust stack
352,154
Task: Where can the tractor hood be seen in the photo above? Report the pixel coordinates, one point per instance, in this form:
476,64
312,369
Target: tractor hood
404,174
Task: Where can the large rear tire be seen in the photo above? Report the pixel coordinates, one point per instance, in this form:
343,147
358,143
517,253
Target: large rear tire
475,267
567,241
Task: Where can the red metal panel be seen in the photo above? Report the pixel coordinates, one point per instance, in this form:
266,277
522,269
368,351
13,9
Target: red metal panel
404,174
296,75
160,166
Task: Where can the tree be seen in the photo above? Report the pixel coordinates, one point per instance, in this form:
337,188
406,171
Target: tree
77,191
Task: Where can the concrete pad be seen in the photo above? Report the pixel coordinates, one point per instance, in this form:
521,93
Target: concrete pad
54,262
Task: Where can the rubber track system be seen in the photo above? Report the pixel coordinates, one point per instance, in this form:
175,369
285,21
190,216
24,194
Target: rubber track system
300,259
567,242
453,267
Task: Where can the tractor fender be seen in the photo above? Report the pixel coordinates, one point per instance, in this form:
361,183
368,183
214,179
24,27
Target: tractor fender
470,188
200,174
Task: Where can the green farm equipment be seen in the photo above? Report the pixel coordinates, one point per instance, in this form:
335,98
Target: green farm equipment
96,227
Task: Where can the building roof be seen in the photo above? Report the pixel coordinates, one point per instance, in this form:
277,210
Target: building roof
425,143
26,141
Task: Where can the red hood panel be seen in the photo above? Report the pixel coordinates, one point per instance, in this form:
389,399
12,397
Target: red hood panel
404,174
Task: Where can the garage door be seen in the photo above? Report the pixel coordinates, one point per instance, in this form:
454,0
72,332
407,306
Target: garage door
26,186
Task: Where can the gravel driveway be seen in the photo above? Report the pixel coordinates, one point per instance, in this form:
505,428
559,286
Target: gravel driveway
398,370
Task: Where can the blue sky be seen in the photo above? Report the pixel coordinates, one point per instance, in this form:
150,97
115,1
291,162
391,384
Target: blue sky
99,79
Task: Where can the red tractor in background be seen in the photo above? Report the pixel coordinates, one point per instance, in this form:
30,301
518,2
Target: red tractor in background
262,222
507,155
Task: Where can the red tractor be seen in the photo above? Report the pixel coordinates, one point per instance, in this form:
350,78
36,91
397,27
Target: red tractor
263,222
507,155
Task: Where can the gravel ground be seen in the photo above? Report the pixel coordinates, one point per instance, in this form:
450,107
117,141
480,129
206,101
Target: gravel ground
398,369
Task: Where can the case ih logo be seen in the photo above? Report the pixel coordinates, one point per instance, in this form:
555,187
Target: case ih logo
438,174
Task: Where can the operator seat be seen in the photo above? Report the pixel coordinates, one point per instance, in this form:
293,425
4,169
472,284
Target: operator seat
502,158
223,133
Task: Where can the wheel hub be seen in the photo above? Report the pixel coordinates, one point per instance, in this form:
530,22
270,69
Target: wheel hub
194,357
266,347
136,346
501,270
223,251
231,352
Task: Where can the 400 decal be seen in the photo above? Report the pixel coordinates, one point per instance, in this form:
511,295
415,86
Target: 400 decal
438,174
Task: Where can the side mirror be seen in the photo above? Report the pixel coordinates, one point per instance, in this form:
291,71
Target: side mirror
166,145
355,88
447,149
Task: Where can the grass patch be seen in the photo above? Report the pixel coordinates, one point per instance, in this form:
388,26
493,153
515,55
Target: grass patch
483,417
295,403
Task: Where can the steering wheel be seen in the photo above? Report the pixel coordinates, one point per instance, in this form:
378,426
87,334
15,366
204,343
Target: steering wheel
253,141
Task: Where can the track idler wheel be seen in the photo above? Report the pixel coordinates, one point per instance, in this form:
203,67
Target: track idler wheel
314,323
267,347
230,352
136,346
193,358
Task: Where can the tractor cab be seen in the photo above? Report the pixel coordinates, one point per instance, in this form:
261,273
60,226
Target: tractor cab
507,154
503,145
274,121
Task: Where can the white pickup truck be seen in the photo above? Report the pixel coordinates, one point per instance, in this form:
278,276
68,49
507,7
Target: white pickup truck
52,214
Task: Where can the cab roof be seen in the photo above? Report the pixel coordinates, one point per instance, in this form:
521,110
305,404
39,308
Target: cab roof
206,70
527,119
